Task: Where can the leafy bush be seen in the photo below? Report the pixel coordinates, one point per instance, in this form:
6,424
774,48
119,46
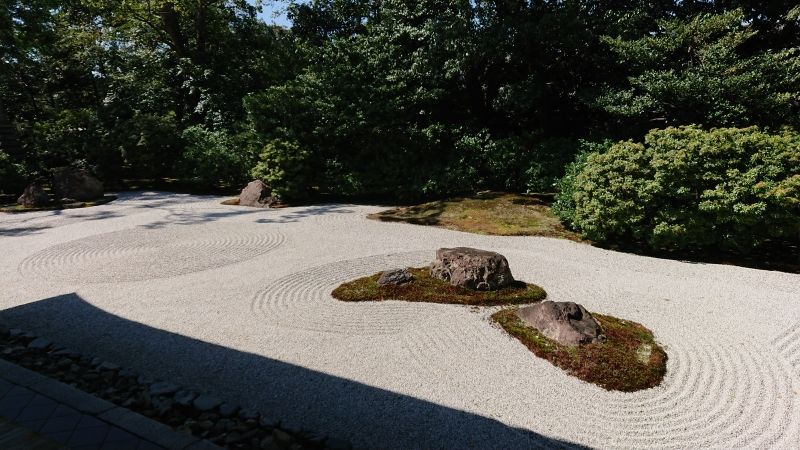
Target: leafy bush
12,179
564,205
214,157
287,168
148,143
688,188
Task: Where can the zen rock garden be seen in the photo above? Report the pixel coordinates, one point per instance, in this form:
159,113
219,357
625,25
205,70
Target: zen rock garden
564,333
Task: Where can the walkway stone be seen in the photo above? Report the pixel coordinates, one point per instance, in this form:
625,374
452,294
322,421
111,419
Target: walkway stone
37,412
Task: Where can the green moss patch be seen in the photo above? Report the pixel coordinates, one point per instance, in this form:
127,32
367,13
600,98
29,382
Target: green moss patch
57,206
629,360
493,213
425,288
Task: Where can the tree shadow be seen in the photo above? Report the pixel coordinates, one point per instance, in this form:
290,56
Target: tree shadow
22,231
300,398
300,213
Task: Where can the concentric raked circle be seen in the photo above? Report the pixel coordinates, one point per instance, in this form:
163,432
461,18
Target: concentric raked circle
303,300
144,253
717,393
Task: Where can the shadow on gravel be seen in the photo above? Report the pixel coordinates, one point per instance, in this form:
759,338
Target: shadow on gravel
22,231
302,399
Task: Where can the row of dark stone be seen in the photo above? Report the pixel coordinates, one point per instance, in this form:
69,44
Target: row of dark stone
199,414
68,185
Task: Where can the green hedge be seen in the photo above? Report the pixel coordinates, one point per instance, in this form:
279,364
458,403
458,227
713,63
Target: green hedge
687,188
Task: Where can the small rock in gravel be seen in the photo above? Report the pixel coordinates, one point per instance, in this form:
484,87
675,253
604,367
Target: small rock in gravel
282,438
395,277
67,353
268,443
205,424
314,437
184,397
163,388
233,438
96,361
108,366
206,402
143,379
40,344
15,332
228,409
224,426
268,422
64,363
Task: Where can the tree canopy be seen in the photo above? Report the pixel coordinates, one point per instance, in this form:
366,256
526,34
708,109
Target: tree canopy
387,97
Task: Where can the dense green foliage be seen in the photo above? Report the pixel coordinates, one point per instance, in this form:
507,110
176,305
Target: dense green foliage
686,188
694,72
118,85
425,99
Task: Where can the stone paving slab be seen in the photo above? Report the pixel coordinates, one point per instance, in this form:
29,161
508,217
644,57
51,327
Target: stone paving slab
37,412
16,437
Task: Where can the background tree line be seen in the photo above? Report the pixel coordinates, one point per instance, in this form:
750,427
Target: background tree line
390,97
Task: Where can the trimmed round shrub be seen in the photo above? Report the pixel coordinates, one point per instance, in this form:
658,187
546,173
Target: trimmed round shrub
688,188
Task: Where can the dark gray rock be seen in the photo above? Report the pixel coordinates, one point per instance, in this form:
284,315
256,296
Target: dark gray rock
567,323
472,268
65,352
258,195
206,403
395,276
76,184
34,196
40,344
163,388
185,397
228,409
108,366
282,438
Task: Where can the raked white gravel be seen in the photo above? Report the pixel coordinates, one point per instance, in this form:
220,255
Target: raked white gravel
236,302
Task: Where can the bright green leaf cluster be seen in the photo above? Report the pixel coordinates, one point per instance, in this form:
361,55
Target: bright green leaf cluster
688,188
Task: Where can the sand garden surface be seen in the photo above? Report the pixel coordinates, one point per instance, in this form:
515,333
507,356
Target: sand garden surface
237,302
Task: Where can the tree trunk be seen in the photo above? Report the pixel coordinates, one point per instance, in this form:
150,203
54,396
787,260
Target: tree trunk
170,19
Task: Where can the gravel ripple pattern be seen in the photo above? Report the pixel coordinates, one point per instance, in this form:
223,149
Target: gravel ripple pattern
147,253
401,375
303,300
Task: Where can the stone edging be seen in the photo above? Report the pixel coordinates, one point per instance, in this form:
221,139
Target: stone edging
129,421
203,421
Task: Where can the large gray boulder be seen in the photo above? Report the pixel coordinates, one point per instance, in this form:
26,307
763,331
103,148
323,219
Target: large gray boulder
567,323
34,196
76,184
472,268
258,195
